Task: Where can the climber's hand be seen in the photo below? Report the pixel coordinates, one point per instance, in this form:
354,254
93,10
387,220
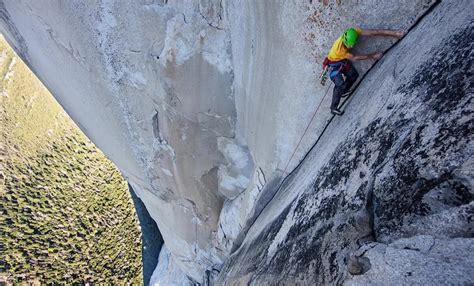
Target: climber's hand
377,56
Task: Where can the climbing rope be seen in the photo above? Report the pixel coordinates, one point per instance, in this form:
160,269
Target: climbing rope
306,130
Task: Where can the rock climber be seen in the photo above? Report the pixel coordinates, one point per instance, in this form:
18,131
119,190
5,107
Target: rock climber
339,65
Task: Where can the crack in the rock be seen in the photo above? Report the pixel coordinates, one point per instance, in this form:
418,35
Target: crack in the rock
370,208
209,23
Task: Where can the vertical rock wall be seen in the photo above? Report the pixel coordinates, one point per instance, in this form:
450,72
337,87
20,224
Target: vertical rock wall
386,196
150,83
201,104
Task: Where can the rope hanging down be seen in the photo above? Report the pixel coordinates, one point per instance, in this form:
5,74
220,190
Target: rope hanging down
306,130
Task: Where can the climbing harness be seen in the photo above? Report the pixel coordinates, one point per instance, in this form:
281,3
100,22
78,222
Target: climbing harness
333,69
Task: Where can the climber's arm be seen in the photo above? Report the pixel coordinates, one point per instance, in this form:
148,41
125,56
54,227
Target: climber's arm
372,56
390,33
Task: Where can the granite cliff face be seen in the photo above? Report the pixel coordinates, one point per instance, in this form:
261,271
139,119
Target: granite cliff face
207,106
385,197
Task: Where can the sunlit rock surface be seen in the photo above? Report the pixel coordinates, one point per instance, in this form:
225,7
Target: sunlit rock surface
203,106
386,195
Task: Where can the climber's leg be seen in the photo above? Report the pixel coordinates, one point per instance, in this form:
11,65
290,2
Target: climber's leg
339,85
351,75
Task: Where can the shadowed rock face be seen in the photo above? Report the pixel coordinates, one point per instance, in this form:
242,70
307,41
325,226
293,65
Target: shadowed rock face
202,105
152,241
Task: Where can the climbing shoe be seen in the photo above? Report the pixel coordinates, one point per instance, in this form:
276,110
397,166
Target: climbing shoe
337,112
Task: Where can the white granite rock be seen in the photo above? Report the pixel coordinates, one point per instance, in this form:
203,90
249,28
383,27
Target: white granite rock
205,106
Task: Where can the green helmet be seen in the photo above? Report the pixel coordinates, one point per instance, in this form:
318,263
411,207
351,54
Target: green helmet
350,37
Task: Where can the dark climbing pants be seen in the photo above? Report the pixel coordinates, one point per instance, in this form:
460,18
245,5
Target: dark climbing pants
342,86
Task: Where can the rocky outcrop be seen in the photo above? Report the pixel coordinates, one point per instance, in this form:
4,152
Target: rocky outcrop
168,272
415,260
206,106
